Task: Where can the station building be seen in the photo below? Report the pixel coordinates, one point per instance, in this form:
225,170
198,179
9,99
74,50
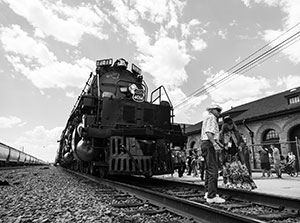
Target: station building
271,120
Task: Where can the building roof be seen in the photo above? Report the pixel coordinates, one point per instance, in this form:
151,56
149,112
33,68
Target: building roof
273,105
270,106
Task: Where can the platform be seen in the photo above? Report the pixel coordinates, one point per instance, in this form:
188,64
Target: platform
285,186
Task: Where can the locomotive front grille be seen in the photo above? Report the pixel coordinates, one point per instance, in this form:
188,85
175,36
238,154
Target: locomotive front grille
121,164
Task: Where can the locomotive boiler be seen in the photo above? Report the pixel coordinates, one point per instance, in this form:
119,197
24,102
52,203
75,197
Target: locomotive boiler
114,129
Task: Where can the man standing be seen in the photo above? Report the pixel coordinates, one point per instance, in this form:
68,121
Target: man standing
209,137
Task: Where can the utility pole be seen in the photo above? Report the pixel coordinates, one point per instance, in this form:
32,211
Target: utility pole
251,133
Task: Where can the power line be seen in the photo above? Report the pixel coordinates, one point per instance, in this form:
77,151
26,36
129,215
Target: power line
262,58
249,65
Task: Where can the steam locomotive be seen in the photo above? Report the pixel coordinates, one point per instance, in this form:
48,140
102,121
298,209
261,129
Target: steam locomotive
113,128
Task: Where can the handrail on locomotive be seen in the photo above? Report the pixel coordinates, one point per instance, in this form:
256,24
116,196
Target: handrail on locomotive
159,97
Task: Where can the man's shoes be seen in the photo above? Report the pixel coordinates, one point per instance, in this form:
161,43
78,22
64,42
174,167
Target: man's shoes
216,199
206,195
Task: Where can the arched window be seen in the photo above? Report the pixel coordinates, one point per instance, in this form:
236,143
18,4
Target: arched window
192,144
271,135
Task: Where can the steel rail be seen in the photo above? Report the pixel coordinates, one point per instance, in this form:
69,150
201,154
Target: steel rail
256,197
189,209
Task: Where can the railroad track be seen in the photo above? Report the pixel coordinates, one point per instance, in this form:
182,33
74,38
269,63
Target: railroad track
246,206
127,202
187,200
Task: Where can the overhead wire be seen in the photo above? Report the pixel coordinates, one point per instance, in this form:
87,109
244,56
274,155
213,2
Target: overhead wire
256,61
249,65
278,48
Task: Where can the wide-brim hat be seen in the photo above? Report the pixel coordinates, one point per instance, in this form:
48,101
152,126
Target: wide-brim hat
214,106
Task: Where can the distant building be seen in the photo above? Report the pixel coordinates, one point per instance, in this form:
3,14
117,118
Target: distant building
274,119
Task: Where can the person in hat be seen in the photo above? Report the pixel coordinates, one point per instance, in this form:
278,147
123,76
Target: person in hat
235,172
209,137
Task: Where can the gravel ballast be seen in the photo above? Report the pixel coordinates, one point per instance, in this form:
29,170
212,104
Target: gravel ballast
50,194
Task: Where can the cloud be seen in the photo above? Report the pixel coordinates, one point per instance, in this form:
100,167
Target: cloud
159,11
54,75
165,62
188,112
71,94
223,33
31,57
40,142
237,90
17,41
11,121
289,81
198,44
267,2
292,53
64,23
164,58
292,17
193,28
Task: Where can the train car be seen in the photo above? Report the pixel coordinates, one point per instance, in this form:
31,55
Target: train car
14,156
22,158
10,156
114,129
4,154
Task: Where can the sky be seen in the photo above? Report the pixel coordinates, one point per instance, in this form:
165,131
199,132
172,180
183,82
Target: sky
48,49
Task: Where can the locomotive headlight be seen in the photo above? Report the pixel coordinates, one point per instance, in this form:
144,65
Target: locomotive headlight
132,88
102,63
136,69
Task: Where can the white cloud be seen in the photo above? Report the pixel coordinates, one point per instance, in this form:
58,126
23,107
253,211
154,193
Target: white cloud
17,41
267,2
198,44
40,142
289,81
239,90
66,24
166,58
54,75
188,112
159,11
223,33
71,94
32,58
292,53
193,28
292,17
11,121
165,61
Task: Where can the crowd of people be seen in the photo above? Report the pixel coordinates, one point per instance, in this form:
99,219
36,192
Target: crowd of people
280,162
224,152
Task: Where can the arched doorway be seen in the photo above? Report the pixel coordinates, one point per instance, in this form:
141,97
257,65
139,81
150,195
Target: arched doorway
271,136
192,144
293,135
